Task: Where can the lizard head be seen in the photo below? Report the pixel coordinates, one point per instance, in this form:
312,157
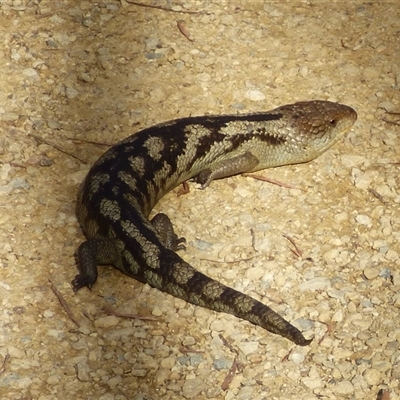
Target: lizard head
311,127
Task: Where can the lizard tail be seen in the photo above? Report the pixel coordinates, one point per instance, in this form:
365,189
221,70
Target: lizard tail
181,280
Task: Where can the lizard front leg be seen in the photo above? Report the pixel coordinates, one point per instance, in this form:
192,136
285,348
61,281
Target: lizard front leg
227,167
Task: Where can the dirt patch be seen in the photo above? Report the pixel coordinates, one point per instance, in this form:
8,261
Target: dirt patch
77,77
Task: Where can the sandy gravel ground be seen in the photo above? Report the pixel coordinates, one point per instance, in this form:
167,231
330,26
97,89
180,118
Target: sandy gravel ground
77,76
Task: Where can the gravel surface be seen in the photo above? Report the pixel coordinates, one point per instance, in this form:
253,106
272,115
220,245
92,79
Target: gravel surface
77,76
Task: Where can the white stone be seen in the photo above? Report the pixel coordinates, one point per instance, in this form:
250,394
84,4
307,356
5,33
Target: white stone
341,217
338,316
351,160
364,220
248,347
30,73
254,94
262,244
297,357
312,383
317,283
255,273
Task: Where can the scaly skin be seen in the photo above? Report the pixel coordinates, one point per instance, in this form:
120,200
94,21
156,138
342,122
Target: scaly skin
123,186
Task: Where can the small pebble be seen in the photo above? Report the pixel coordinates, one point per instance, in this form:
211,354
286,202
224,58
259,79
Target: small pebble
385,273
318,283
106,322
192,388
83,371
19,183
372,376
371,272
312,383
245,393
364,220
305,324
195,359
168,362
30,73
255,95
248,347
189,341
222,363
343,388
138,372
297,358
71,92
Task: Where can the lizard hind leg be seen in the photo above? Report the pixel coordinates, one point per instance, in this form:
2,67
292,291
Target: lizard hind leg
166,233
91,253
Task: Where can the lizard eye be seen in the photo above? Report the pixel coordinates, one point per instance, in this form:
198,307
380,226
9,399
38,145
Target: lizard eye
333,122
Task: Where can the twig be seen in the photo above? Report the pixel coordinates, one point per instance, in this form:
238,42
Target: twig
109,311
329,329
230,375
227,344
392,112
377,195
391,122
183,350
273,181
344,45
235,365
13,164
287,355
87,315
3,365
135,3
80,141
41,140
383,394
228,262
64,304
183,30
296,251
386,163
48,14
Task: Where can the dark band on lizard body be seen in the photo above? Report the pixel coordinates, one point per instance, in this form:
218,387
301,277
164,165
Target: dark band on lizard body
123,186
